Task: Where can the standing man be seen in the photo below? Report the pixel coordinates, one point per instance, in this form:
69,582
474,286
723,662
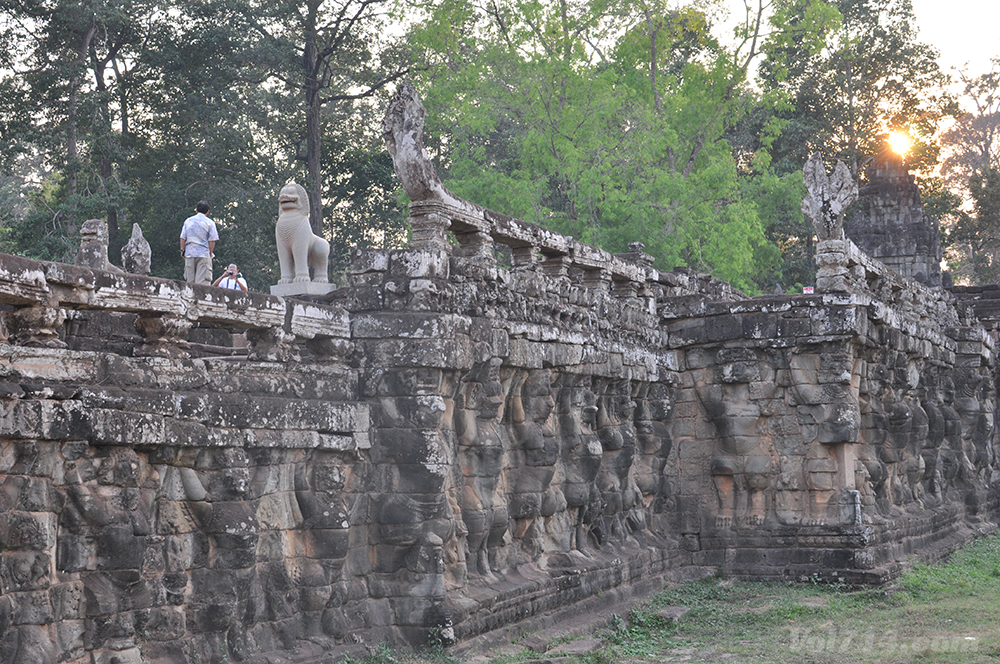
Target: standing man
198,239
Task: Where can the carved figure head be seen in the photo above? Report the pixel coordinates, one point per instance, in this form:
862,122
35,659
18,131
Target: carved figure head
537,397
94,230
293,198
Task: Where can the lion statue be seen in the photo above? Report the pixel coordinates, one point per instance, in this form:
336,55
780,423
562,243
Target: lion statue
299,249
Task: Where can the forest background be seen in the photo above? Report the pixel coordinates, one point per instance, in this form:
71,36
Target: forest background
611,120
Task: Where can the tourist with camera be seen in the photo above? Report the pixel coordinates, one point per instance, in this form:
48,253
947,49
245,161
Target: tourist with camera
231,278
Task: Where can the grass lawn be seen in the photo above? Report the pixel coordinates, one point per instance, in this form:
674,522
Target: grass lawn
948,612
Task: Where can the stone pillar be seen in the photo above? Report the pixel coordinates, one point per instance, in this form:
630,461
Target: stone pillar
598,280
557,265
524,258
833,274
476,245
429,230
625,288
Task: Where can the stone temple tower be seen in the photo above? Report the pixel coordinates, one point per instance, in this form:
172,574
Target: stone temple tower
889,222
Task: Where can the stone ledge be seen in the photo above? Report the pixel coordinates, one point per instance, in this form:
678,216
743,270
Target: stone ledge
302,288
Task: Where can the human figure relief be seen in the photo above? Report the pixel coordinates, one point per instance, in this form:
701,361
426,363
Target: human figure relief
742,466
619,492
931,448
953,467
581,459
536,450
976,415
652,426
481,443
894,450
916,466
829,414
974,434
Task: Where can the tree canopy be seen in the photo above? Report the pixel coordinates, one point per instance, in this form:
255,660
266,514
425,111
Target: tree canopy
611,120
970,190
606,121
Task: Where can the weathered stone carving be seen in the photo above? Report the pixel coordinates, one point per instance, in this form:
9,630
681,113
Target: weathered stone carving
582,455
93,250
164,336
136,254
35,326
535,450
272,344
481,446
829,197
742,467
402,130
299,249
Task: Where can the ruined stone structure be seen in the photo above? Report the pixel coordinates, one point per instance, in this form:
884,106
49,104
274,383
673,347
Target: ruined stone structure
448,446
93,250
889,223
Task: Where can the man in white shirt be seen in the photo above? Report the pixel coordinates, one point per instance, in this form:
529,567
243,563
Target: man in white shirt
231,278
198,237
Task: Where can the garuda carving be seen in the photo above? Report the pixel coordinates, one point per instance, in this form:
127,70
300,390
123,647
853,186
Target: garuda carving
828,197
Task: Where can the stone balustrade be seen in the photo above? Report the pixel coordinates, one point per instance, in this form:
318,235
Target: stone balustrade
41,293
475,228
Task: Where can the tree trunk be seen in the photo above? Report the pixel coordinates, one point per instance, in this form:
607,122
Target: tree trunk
72,152
107,168
313,155
314,107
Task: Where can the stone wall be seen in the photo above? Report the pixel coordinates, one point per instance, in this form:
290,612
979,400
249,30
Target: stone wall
449,446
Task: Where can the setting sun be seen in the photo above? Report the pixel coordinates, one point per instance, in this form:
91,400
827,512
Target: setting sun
900,142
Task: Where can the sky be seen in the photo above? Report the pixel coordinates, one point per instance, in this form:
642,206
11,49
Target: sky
964,31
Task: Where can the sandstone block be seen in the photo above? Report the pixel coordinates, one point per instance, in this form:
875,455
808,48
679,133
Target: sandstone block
419,264
526,354
309,321
25,570
32,607
69,639
409,325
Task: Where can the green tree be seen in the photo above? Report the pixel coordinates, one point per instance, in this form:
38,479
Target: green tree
974,239
835,79
602,120
133,112
67,99
872,76
209,130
